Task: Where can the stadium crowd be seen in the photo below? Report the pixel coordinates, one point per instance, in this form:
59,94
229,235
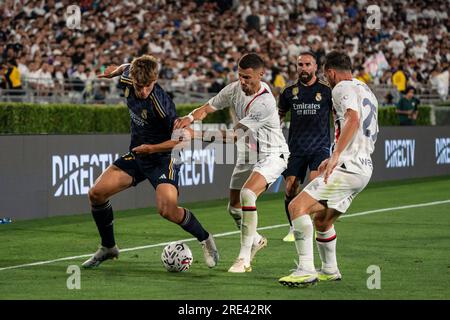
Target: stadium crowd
199,42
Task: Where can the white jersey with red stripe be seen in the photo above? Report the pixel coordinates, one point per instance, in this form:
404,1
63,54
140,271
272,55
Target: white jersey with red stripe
259,113
356,95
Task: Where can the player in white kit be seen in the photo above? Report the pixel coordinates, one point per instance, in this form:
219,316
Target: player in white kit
342,176
262,149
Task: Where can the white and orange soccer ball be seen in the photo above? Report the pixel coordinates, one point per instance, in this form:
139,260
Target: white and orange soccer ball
176,257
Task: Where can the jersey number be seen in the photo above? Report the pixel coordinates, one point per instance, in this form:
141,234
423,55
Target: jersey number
368,120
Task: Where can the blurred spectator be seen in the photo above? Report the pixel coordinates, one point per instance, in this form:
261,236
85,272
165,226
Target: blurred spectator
440,82
10,76
45,79
399,79
204,35
278,81
407,108
397,45
363,75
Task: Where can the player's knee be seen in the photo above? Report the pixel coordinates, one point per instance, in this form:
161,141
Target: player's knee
295,209
319,224
322,224
248,197
96,196
167,211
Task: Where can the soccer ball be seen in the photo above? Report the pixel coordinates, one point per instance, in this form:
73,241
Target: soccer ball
176,257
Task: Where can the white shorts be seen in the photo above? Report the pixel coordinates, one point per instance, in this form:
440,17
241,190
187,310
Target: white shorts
340,190
270,168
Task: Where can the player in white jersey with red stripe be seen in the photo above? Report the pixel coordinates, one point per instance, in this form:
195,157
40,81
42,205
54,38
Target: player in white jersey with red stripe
262,149
342,176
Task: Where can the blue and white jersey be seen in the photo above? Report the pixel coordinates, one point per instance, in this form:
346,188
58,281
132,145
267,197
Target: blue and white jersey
356,95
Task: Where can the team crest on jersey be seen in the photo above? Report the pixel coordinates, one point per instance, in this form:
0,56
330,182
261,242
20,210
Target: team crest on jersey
295,92
318,96
127,92
144,114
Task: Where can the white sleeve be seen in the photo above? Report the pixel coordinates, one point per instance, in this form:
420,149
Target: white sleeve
223,99
345,97
258,115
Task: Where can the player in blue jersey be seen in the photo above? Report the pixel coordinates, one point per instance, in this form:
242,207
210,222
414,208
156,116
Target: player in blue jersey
152,115
309,101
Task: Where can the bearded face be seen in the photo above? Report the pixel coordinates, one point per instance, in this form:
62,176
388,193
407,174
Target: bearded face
306,68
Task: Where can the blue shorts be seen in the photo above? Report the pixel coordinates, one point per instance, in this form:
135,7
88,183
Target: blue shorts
298,165
157,170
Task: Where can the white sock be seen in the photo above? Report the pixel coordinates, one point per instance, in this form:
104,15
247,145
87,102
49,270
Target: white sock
326,244
249,223
236,213
303,232
256,238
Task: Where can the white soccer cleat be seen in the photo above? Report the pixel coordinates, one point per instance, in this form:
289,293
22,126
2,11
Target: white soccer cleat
290,236
256,247
101,255
299,278
329,276
210,252
239,266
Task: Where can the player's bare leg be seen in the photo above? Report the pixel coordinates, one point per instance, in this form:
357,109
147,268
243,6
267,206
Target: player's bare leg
235,210
326,244
300,209
253,187
292,189
167,205
111,181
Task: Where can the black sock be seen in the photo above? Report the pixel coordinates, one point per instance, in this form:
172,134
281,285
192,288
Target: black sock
193,226
104,218
287,200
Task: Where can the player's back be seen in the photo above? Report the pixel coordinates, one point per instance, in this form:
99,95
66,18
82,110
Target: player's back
356,95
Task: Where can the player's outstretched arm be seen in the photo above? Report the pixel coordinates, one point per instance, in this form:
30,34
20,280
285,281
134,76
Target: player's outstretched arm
349,130
112,71
178,139
196,115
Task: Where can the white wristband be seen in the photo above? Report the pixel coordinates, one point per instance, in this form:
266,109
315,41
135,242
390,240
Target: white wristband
191,117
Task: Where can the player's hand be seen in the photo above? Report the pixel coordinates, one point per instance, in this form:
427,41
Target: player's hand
323,165
181,123
185,134
107,73
331,164
143,149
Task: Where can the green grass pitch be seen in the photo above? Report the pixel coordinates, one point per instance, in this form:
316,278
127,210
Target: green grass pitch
411,247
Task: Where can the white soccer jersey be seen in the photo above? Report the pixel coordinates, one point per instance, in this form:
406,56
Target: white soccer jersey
257,112
356,95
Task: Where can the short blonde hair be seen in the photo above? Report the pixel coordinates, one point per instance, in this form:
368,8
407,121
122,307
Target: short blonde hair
144,69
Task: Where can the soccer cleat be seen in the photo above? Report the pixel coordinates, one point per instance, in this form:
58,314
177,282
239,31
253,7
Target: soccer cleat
299,278
210,252
101,255
290,236
240,267
327,276
256,247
